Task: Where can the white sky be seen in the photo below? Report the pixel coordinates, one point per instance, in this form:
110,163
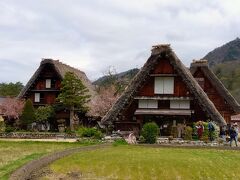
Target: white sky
92,35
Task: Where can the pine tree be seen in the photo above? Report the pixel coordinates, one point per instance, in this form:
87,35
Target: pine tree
73,95
28,115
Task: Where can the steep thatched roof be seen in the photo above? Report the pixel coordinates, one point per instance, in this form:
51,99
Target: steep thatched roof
203,65
61,69
158,52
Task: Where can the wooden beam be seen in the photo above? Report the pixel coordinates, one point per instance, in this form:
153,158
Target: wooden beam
163,75
163,98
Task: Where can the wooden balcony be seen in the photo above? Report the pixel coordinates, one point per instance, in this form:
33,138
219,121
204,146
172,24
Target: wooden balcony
162,98
181,112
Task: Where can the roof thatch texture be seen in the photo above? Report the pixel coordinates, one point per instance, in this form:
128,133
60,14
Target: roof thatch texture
203,65
61,69
158,52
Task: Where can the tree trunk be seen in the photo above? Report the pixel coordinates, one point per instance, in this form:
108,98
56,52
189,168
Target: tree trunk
72,118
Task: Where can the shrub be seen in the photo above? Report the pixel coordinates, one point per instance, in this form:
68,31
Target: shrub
150,132
205,136
89,132
28,115
142,139
174,132
9,129
2,126
119,142
188,133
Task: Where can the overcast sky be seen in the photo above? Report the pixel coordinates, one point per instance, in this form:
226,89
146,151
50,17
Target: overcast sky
92,35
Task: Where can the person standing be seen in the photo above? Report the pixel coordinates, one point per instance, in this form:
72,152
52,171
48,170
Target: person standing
211,130
233,135
223,133
236,130
200,129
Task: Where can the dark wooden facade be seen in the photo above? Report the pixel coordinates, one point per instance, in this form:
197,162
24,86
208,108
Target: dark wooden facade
44,86
47,95
131,121
215,90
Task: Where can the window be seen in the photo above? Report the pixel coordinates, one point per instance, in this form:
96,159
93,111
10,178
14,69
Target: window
179,104
164,85
48,83
37,97
150,104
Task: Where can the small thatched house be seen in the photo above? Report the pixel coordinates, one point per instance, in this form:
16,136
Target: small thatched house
163,91
44,86
215,90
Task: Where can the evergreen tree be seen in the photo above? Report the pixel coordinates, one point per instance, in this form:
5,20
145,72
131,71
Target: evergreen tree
43,114
73,95
28,114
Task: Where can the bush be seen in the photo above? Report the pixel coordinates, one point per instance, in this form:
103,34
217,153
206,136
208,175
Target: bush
205,136
2,125
188,133
28,114
89,132
9,129
142,139
150,132
119,142
174,132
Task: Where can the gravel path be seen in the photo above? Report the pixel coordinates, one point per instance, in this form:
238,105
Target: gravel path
25,172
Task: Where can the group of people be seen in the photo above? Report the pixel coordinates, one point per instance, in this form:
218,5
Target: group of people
200,130
231,130
233,133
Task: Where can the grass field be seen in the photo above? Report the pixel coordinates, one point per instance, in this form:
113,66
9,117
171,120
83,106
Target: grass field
15,154
131,162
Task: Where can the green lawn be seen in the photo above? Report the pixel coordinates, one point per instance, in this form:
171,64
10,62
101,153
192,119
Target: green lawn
15,154
133,162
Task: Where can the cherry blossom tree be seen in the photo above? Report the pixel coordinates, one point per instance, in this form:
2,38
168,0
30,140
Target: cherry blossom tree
12,108
106,97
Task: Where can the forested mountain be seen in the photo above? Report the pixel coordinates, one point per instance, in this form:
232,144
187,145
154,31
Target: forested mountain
119,80
10,89
229,52
225,62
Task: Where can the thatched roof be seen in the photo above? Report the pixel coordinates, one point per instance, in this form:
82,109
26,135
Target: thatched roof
203,66
158,52
61,69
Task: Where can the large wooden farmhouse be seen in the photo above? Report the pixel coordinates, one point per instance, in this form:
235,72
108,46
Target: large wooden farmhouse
44,86
164,91
215,90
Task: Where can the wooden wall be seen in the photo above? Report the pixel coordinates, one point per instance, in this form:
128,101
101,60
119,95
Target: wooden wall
164,67
219,102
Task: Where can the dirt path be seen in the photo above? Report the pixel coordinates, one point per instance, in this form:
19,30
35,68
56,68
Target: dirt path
28,170
41,140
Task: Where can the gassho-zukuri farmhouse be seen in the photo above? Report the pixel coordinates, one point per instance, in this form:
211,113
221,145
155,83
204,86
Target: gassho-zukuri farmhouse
168,93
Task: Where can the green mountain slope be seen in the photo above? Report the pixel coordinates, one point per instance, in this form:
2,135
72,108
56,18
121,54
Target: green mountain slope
229,52
225,63
120,80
